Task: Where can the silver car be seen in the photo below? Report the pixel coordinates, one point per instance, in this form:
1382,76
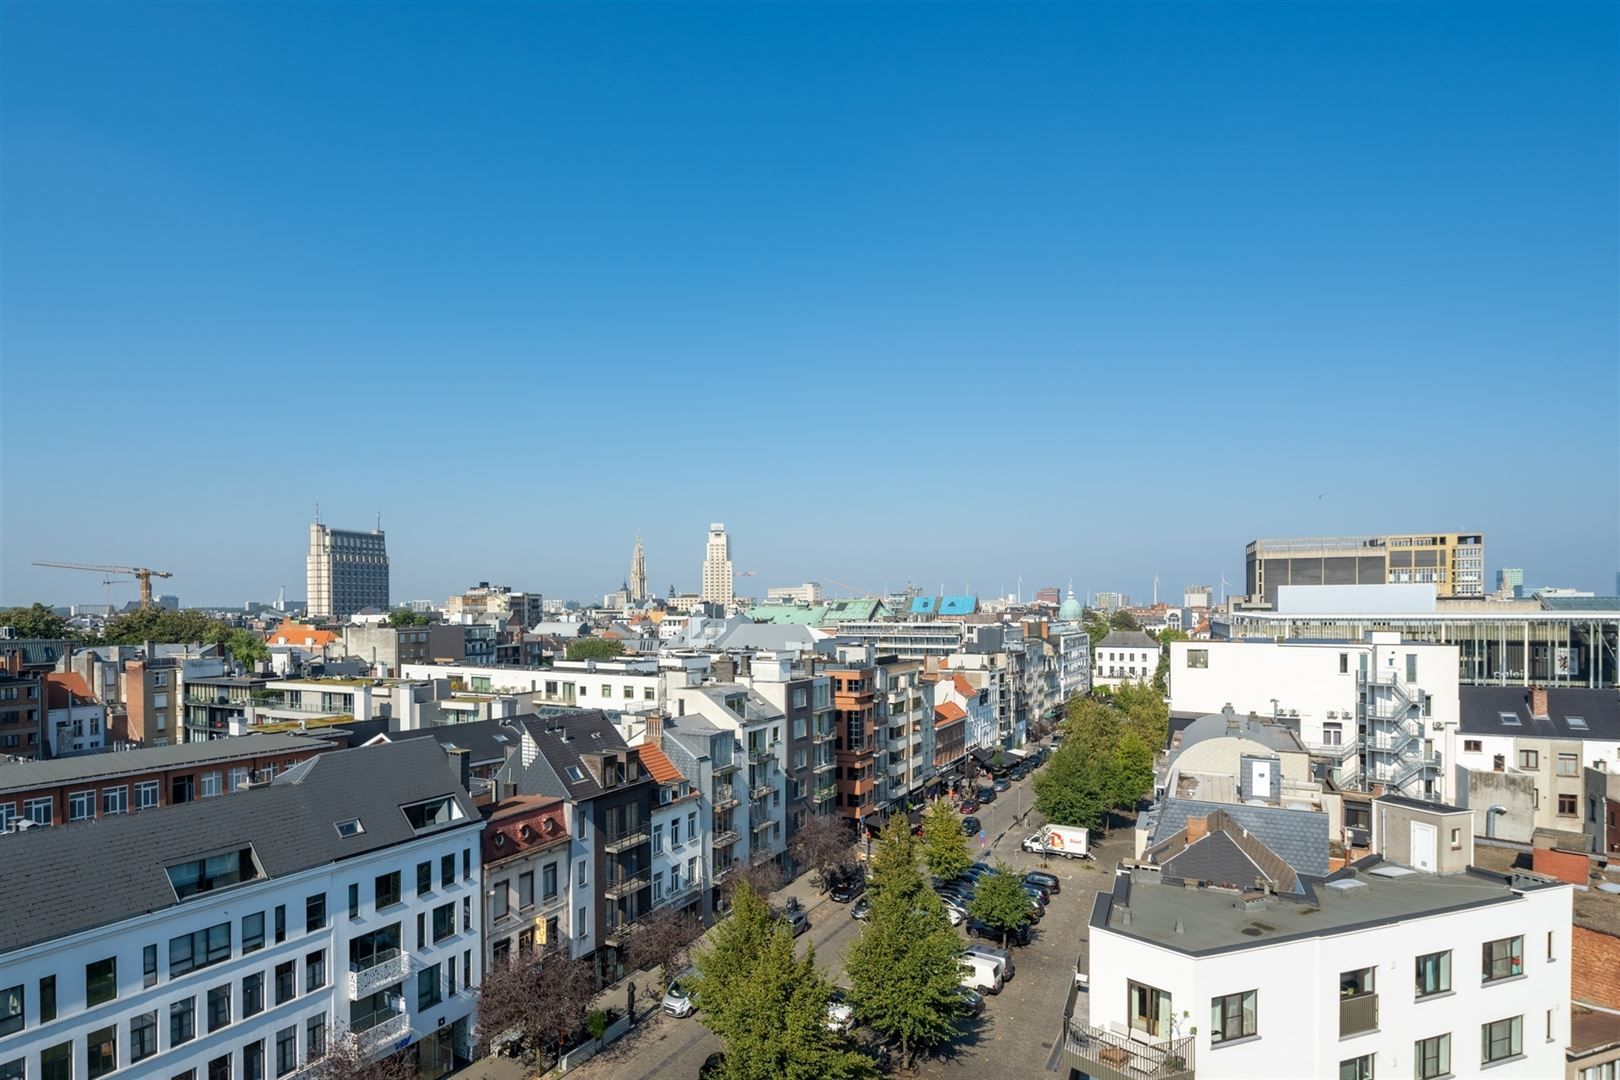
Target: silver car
678,1001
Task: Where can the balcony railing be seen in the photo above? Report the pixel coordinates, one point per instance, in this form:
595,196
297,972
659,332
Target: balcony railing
824,766
1336,751
625,840
725,768
826,791
761,823
368,976
1111,1055
725,839
383,1030
819,737
760,791
626,884
725,796
1357,1014
618,933
760,757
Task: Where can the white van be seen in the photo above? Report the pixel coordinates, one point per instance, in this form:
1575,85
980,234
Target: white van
982,974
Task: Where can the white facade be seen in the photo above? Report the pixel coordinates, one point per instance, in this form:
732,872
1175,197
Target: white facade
1405,693
1115,662
80,728
1304,1026
808,593
680,855
322,997
717,577
760,779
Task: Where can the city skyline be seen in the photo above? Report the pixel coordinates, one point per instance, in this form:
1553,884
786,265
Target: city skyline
1212,289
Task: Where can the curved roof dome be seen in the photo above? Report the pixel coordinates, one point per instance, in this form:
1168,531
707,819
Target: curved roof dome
1071,609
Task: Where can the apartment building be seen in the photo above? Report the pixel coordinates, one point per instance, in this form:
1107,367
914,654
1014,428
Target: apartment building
1376,711
717,574
485,599
388,649
710,758
955,691
760,731
1537,759
345,571
854,688
905,724
528,890
245,936
1454,563
1378,970
1124,656
806,704
680,828
94,786
22,705
75,721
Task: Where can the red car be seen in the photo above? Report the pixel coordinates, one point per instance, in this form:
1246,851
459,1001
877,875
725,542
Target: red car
967,806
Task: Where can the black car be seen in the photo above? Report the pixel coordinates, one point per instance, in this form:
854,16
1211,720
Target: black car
1049,882
971,826
1018,936
986,795
1001,785
1037,893
848,887
972,1000
713,1065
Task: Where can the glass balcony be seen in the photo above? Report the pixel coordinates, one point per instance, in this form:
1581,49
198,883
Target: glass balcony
725,796
725,839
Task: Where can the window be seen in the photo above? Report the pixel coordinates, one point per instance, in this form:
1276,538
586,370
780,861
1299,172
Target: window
466,914
149,966
351,827
281,923
501,894
252,994
691,825
1411,667
286,981
219,1007
675,833
100,981
579,923
314,912
444,921
1500,1039
581,875
658,838
1473,746
103,1047
12,1070
466,864
354,900
447,871
208,784
188,952
1569,806
1232,1017
1431,1057
1502,959
1576,722
1529,759
315,1038
1551,956
1456,839
525,890
1509,719
56,1062
11,1010
314,971
286,1050
386,889
1198,658
142,1036
81,805
1609,1070
427,988
214,872
253,932
421,931
220,1068
1434,974
47,998
548,881
253,1061
1360,1068
182,1021
1149,1009
39,811
424,877
115,800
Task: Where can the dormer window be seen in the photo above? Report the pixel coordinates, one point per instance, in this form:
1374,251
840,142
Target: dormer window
433,812
214,872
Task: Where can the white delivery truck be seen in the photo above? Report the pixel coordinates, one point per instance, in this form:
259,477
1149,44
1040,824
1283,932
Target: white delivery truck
1064,840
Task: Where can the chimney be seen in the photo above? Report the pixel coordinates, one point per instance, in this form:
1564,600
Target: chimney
1538,701
655,730
462,760
1197,829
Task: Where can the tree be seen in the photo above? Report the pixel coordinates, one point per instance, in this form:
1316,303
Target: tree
663,941
1096,624
763,879
402,617
594,648
905,968
1000,901
1161,676
1131,770
1145,712
542,997
347,1059
1091,724
823,843
1074,788
894,861
35,621
768,1007
246,648
945,848
1123,620
164,625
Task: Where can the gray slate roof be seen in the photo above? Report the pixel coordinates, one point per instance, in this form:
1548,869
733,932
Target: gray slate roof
67,879
15,776
1482,708
489,741
1298,837
1126,639
561,739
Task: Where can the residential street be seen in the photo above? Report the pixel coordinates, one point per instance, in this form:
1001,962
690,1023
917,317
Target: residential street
1019,1027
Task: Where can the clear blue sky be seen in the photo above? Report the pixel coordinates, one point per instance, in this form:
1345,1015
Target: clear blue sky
945,293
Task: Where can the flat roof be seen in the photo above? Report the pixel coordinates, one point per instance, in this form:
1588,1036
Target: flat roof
1218,920
17,776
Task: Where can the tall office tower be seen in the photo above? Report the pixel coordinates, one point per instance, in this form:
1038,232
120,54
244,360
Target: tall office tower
345,571
638,574
1454,563
717,580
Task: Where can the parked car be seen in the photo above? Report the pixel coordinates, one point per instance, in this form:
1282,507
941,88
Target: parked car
848,886
955,912
796,918
967,806
862,909
972,1000
713,1065
981,975
979,869
1019,936
678,1000
1049,882
840,1015
1036,893
1002,784
986,795
971,826
1008,968
959,895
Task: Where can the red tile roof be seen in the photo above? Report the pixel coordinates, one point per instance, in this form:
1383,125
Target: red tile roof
61,685
291,633
965,688
659,766
948,713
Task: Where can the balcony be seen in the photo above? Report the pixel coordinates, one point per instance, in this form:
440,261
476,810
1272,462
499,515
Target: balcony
1110,1055
725,797
725,768
821,737
1334,751
1358,1013
625,885
826,792
824,766
760,757
385,969
725,839
626,840
384,1030
620,932
758,824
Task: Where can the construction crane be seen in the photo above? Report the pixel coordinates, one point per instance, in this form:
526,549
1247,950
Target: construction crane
846,585
140,573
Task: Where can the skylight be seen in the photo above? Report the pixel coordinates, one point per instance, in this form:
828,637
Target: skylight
1510,719
1578,722
349,828
499,737
575,774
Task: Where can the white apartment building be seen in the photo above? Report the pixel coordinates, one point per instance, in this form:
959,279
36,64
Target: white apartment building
680,835
1379,971
760,779
1405,695
241,937
905,727
1124,656
957,687
718,581
808,593
528,887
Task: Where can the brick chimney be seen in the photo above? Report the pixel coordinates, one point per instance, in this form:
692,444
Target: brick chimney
1197,829
655,730
1538,701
